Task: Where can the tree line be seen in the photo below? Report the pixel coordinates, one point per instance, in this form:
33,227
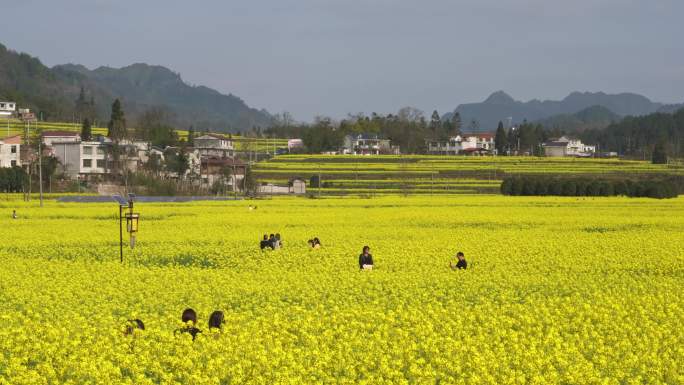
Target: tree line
535,185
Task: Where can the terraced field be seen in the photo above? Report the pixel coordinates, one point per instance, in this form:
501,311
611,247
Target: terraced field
244,144
438,174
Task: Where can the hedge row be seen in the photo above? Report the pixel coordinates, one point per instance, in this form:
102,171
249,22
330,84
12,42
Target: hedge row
12,179
575,186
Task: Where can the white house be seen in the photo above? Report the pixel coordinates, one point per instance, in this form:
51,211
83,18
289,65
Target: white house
567,146
293,144
295,186
466,143
48,138
10,150
214,145
82,159
368,144
7,108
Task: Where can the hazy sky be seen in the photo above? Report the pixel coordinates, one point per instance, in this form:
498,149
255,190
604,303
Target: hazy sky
334,57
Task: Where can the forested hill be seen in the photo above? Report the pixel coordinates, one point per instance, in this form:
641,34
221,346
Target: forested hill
54,91
500,106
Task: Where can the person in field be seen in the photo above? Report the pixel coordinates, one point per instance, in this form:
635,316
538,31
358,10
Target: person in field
277,244
365,259
132,325
460,264
216,320
316,243
189,318
266,242
14,214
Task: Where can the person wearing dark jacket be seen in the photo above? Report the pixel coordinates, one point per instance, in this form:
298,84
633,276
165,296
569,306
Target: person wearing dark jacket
266,243
461,264
365,259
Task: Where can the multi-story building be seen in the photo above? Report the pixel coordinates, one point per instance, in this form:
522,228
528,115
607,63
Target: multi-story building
463,144
7,109
567,146
83,159
368,144
10,150
212,145
48,138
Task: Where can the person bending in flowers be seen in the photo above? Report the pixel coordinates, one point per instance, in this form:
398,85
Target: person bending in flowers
461,264
365,259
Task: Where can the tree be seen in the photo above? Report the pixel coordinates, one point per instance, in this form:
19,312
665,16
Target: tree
474,126
117,123
154,126
435,121
659,153
191,136
500,140
250,182
456,123
86,130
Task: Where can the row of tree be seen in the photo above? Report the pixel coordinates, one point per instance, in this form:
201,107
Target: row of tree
640,136
12,179
577,186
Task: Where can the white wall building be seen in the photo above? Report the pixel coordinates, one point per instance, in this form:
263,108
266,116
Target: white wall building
7,108
214,145
82,158
567,146
368,144
462,143
10,150
48,138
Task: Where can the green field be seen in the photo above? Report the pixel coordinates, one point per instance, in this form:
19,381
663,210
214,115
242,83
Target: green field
439,174
259,145
558,291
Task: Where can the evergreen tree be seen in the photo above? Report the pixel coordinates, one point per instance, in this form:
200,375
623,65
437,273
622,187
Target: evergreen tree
456,124
659,154
86,130
117,123
500,140
191,136
435,121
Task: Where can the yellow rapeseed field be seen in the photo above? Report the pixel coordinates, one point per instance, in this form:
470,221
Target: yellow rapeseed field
558,291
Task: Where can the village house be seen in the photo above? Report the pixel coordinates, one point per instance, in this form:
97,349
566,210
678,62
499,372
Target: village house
468,144
48,138
295,186
229,171
10,150
213,145
7,109
568,146
83,159
368,144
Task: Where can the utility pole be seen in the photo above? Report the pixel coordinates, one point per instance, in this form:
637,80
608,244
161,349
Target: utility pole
320,182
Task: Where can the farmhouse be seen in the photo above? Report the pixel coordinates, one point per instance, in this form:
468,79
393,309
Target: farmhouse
368,144
469,144
82,159
213,145
294,186
567,146
10,150
7,109
228,171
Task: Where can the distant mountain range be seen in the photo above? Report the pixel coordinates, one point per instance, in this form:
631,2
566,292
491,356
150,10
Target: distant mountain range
578,107
54,91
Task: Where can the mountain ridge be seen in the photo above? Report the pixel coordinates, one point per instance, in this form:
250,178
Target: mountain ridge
500,106
140,86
